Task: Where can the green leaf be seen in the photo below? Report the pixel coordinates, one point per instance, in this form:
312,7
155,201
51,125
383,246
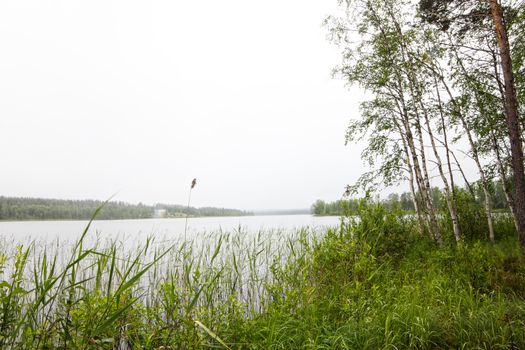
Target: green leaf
212,334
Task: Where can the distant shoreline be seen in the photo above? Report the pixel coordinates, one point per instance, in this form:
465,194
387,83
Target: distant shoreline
43,209
179,218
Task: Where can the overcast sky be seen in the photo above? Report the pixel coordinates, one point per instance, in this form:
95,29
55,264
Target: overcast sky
139,97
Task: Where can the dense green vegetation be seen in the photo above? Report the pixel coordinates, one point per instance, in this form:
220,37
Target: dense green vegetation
337,208
174,210
404,201
444,79
374,282
13,208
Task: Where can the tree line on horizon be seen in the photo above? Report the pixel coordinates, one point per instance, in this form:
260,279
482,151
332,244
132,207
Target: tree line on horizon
14,208
403,201
444,79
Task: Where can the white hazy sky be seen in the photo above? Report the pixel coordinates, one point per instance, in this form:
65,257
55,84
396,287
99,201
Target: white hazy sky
140,97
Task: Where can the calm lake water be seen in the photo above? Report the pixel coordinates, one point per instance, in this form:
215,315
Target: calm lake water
139,230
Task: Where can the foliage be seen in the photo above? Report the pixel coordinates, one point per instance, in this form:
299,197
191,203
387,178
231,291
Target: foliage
12,208
403,201
438,81
339,207
371,283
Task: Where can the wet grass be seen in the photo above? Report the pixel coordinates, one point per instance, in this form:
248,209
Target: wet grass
371,283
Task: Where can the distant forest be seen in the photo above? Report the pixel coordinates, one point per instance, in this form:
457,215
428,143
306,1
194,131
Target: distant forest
12,208
404,200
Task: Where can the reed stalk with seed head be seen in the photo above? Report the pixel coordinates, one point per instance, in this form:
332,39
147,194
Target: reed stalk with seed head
193,183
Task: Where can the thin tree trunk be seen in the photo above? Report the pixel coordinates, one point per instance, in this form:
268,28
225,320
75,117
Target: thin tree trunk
432,224
483,178
422,184
414,199
511,111
426,183
450,197
411,181
475,156
416,93
504,181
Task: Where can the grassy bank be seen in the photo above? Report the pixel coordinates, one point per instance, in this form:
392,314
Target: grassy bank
371,283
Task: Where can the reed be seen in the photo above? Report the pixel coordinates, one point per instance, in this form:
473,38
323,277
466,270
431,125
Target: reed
367,284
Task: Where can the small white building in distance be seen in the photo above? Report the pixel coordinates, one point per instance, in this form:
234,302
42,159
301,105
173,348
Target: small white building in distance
159,213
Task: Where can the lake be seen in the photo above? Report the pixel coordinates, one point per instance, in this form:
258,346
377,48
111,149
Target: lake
165,229
225,256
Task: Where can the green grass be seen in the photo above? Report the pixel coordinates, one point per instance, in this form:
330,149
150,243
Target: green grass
371,283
